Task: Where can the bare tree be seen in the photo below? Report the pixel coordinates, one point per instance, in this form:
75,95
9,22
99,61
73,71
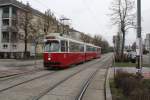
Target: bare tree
97,40
49,19
86,38
36,36
123,15
117,43
104,46
25,23
36,27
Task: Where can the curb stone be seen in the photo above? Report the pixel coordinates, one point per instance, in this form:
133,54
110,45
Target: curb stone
107,86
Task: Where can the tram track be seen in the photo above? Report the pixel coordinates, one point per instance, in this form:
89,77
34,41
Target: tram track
7,77
13,76
87,83
24,74
51,88
85,86
13,72
49,74
15,85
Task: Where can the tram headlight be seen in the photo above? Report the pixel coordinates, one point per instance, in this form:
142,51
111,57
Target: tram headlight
49,58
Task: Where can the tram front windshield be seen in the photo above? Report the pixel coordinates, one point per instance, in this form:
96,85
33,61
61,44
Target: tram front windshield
52,46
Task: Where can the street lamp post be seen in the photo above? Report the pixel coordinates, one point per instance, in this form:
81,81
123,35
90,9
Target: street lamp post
139,39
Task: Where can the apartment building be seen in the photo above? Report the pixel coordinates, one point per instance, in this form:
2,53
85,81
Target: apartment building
74,34
12,44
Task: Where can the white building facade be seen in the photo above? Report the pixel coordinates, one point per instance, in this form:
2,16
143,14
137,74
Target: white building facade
11,46
8,38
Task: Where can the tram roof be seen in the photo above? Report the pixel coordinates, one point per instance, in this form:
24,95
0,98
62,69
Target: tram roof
57,35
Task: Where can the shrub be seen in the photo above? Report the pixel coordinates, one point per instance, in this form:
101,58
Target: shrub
140,94
126,81
147,84
120,76
132,86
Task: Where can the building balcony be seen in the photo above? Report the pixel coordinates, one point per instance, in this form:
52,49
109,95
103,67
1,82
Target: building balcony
10,29
5,15
6,40
5,27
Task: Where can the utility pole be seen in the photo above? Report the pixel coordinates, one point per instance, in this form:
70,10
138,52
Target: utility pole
149,47
63,19
139,39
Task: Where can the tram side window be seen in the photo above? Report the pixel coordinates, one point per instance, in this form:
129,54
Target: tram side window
64,46
74,47
81,48
89,48
94,49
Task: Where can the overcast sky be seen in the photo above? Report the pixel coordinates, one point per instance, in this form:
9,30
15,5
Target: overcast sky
91,16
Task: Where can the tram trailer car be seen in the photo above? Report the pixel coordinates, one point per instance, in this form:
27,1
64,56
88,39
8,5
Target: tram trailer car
60,52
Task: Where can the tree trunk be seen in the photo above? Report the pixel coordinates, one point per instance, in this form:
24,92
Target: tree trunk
123,44
25,44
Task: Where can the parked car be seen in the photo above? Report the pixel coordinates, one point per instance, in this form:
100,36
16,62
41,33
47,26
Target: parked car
132,56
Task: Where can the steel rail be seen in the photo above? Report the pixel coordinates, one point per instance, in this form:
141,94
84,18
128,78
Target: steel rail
87,83
2,90
60,82
85,86
20,83
57,84
20,74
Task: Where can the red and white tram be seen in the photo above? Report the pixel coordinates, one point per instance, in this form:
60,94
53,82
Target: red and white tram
60,52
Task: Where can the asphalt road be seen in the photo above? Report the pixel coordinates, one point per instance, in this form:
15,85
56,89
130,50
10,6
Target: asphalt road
59,85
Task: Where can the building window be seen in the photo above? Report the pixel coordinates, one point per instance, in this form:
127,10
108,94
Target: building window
5,22
6,12
14,12
6,9
5,36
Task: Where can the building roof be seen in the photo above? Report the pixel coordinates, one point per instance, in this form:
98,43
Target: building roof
73,30
19,5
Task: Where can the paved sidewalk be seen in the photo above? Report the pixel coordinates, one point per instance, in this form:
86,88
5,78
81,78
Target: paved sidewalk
95,90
